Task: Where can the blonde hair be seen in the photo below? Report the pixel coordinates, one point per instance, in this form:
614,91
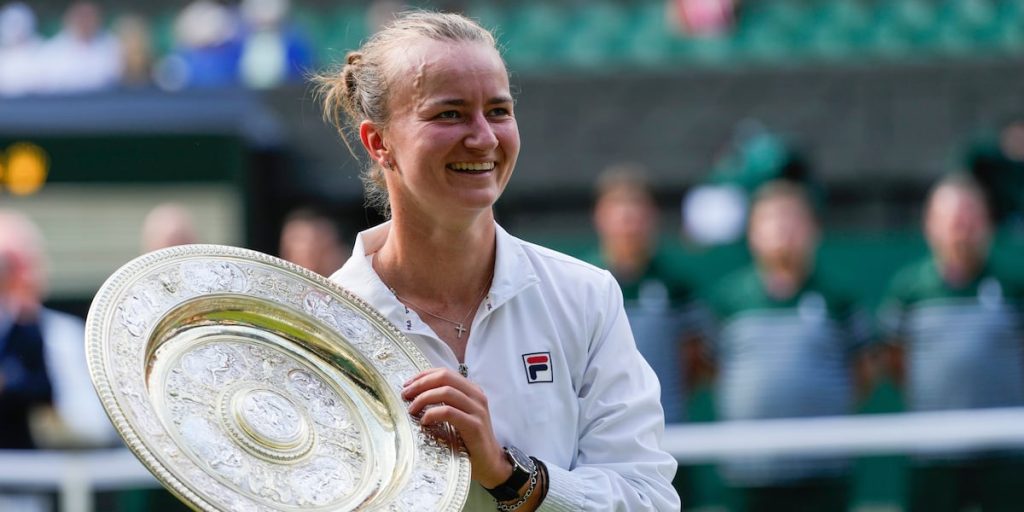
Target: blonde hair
360,89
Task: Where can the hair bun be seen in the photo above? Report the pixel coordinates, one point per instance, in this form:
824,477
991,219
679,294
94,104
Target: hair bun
348,76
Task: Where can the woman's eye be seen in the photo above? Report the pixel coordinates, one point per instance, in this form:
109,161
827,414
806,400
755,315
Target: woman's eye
500,111
448,114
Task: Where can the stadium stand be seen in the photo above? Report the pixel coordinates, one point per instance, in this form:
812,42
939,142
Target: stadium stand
611,33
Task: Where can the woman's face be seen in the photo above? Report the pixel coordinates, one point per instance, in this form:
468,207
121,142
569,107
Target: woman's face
451,136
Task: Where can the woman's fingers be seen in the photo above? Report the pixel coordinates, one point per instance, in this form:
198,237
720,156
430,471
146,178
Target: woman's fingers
438,377
422,374
441,395
445,395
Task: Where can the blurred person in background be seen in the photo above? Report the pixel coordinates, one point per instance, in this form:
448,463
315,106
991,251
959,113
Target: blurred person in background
61,378
704,18
998,165
20,46
274,51
665,319
207,51
715,212
83,56
313,240
788,345
957,333
24,381
135,38
24,386
168,225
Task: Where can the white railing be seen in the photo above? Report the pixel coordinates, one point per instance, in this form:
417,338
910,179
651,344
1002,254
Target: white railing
868,434
76,475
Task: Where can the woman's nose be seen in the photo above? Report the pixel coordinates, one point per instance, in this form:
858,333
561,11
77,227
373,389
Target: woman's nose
481,134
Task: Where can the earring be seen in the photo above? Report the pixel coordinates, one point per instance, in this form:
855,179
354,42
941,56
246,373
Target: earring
386,164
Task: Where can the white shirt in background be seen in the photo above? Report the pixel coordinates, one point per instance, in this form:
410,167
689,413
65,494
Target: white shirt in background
71,65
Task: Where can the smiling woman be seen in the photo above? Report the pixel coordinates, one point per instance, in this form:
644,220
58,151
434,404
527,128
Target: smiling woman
534,362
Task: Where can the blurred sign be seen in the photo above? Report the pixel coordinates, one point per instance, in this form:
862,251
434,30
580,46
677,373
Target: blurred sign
89,193
91,229
23,169
132,158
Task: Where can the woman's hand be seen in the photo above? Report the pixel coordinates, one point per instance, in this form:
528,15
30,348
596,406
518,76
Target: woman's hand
443,395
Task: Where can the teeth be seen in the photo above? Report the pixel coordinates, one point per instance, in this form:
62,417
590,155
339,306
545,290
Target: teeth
467,166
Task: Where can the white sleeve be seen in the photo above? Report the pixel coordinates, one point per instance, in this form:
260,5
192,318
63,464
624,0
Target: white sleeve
620,464
74,397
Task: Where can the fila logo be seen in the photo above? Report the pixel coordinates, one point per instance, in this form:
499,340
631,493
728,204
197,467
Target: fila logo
538,367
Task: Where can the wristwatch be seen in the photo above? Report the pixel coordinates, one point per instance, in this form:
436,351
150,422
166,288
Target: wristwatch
522,468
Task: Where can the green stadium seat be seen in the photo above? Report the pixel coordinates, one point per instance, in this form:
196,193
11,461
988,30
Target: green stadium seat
838,29
594,37
972,13
917,18
650,36
766,31
969,25
903,28
535,34
953,40
1009,36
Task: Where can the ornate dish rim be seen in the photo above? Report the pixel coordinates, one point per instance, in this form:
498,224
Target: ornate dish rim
126,275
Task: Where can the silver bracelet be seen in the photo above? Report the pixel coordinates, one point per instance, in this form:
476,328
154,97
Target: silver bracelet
503,507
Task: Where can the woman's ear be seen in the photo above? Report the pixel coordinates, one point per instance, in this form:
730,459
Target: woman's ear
372,138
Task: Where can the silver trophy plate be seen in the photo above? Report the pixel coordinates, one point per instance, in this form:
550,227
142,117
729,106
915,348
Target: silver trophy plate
246,383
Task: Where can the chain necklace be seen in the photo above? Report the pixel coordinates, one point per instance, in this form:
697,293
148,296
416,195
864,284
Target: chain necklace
460,327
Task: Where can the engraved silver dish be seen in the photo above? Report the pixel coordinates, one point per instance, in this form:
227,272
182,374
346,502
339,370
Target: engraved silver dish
246,383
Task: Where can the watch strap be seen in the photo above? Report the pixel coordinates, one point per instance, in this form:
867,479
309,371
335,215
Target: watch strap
509,489
512,507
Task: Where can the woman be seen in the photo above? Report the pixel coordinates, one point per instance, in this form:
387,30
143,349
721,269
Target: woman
535,364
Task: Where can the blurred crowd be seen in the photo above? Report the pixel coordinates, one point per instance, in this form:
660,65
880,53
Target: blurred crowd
777,338
251,44
245,43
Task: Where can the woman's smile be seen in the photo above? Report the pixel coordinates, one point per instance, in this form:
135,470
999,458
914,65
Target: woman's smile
471,167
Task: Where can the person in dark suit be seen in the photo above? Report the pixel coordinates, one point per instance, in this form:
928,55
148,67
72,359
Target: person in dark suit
24,382
42,354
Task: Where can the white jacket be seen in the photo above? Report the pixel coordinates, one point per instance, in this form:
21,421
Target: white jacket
74,397
592,415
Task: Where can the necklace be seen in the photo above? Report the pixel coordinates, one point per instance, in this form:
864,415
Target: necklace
460,327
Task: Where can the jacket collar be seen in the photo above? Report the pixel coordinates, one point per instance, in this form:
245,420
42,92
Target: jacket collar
513,272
